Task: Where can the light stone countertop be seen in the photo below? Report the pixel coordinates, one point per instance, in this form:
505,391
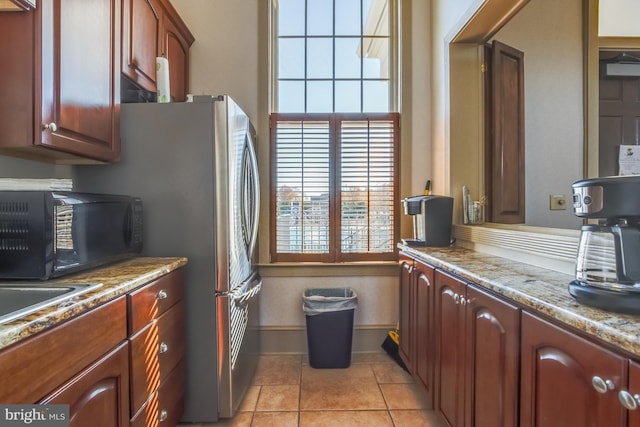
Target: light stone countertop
116,279
541,290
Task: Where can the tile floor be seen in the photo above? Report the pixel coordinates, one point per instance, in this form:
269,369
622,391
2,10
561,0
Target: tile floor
373,391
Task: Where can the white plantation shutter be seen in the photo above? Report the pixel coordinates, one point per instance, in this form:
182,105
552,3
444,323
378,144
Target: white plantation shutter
334,187
367,177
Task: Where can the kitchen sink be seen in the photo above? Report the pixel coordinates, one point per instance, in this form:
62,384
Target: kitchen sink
20,299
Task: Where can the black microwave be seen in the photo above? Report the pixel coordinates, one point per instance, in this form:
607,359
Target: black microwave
47,234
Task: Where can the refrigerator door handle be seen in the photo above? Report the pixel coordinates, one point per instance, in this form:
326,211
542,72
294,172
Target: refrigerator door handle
256,190
254,286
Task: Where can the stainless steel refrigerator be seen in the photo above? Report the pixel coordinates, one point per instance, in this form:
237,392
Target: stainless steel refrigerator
194,166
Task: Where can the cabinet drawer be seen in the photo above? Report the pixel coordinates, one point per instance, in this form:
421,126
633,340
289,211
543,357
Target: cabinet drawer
155,352
165,406
43,362
150,301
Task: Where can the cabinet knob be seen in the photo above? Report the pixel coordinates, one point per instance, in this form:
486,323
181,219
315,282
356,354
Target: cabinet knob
163,347
602,386
163,415
162,294
51,126
628,400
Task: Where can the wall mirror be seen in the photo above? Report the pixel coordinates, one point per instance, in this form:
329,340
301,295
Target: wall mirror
561,48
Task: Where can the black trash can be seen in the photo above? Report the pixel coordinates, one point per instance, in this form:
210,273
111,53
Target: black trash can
329,314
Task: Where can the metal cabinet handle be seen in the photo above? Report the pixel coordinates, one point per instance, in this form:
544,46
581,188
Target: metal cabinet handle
164,414
628,400
463,301
602,386
162,294
51,126
163,347
456,298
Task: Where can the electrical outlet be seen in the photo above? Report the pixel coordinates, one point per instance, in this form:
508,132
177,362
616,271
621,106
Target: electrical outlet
557,202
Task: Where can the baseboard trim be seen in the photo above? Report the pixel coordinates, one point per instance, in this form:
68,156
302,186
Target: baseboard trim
293,339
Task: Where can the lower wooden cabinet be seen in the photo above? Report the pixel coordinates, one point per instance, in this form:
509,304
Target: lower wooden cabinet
424,366
630,397
156,334
477,337
450,349
493,356
416,320
105,378
484,362
406,325
561,376
97,395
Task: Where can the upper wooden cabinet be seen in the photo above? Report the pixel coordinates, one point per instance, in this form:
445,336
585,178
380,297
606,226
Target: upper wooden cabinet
152,28
60,83
141,21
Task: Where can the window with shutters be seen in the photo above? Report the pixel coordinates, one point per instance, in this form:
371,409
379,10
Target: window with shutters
334,135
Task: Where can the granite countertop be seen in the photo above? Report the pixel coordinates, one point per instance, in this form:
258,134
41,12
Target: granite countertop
544,291
115,279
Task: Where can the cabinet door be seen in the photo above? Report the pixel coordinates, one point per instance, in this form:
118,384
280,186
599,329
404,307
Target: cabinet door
98,396
406,311
423,334
450,348
557,375
81,77
141,41
176,50
493,342
634,389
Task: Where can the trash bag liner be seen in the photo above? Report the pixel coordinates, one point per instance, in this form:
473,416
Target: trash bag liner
324,300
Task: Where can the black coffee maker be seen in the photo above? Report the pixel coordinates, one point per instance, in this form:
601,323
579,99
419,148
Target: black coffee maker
431,220
608,259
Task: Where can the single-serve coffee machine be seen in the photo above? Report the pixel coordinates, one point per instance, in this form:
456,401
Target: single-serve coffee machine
608,259
431,220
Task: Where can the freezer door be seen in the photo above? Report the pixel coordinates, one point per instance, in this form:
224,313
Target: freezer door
238,343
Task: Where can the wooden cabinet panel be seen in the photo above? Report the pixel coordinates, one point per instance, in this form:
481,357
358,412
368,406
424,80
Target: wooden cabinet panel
423,334
156,327
176,50
165,406
155,351
557,372
493,342
81,340
63,81
141,40
80,88
149,302
634,389
450,348
98,395
153,28
406,321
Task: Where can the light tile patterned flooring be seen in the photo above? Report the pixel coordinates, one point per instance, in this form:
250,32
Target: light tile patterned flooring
373,391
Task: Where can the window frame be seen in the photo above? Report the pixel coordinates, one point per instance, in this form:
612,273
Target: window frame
335,254
394,56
